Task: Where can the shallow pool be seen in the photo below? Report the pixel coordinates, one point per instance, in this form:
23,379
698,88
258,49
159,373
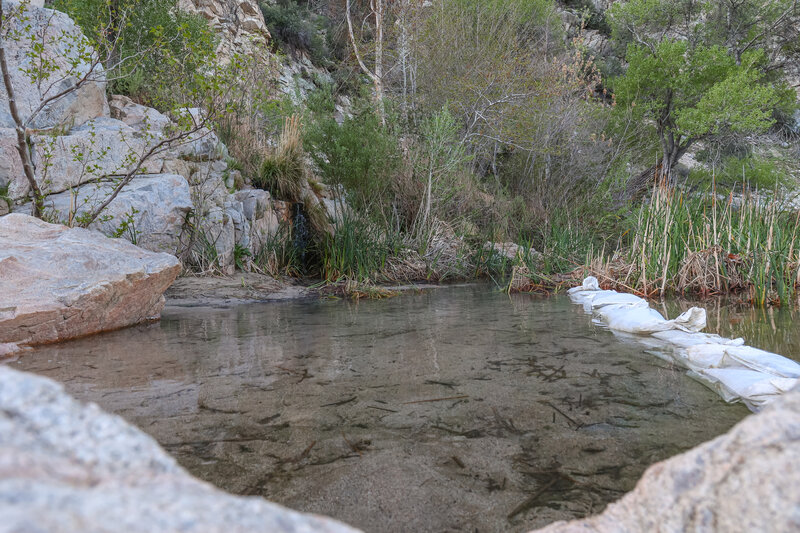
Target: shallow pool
456,409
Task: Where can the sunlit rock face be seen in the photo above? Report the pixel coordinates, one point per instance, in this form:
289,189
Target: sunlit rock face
57,283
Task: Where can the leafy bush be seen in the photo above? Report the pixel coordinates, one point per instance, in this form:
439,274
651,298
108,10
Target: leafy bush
155,46
359,153
757,173
296,29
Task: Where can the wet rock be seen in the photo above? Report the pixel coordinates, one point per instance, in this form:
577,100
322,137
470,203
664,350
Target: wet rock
745,480
63,44
67,466
57,283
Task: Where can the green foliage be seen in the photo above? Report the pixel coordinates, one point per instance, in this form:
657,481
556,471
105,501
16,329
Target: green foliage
154,48
692,94
754,172
240,256
127,227
358,250
359,154
700,244
278,256
296,29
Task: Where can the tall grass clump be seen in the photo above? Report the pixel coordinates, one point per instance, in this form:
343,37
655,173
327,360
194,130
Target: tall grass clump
711,244
283,173
357,249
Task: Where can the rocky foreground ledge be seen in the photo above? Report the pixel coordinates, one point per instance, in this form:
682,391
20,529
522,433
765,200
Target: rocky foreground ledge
67,466
57,283
745,480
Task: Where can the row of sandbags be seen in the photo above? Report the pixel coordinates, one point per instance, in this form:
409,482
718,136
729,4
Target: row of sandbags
736,371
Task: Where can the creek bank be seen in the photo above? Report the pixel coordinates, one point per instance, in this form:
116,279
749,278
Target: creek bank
58,283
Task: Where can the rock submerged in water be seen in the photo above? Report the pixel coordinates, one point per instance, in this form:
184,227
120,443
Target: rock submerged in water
57,283
745,480
67,466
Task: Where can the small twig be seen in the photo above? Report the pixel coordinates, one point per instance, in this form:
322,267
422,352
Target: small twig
437,399
381,408
562,413
341,402
352,446
524,506
303,455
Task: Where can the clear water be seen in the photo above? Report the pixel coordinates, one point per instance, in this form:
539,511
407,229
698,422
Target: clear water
458,409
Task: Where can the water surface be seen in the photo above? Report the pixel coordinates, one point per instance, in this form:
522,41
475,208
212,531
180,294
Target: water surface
458,409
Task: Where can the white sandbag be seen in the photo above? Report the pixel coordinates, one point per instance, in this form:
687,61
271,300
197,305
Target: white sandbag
754,388
705,357
684,339
632,318
616,298
641,319
763,361
586,297
694,319
589,284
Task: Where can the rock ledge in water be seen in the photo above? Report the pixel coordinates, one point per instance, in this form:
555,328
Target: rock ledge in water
745,480
67,466
57,283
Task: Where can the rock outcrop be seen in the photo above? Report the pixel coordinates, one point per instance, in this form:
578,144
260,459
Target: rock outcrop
67,466
745,480
83,143
238,23
57,283
63,44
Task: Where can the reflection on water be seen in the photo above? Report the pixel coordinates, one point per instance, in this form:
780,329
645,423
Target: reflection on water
458,409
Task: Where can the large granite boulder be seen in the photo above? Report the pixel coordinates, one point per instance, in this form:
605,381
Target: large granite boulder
100,148
64,53
67,466
150,211
745,480
57,283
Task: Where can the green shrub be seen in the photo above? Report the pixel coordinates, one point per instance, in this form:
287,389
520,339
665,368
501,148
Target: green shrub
296,28
358,250
754,172
283,173
156,50
359,154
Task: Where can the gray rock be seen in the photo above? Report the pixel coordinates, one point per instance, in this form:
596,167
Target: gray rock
157,204
10,163
140,118
57,282
67,466
62,41
100,148
745,480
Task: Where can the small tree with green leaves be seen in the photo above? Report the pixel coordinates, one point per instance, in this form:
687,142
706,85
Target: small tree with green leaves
692,94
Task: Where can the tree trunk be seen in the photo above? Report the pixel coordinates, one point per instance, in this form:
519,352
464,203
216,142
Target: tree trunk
19,127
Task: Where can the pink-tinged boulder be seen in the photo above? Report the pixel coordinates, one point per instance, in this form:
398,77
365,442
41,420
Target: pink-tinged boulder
745,480
58,283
